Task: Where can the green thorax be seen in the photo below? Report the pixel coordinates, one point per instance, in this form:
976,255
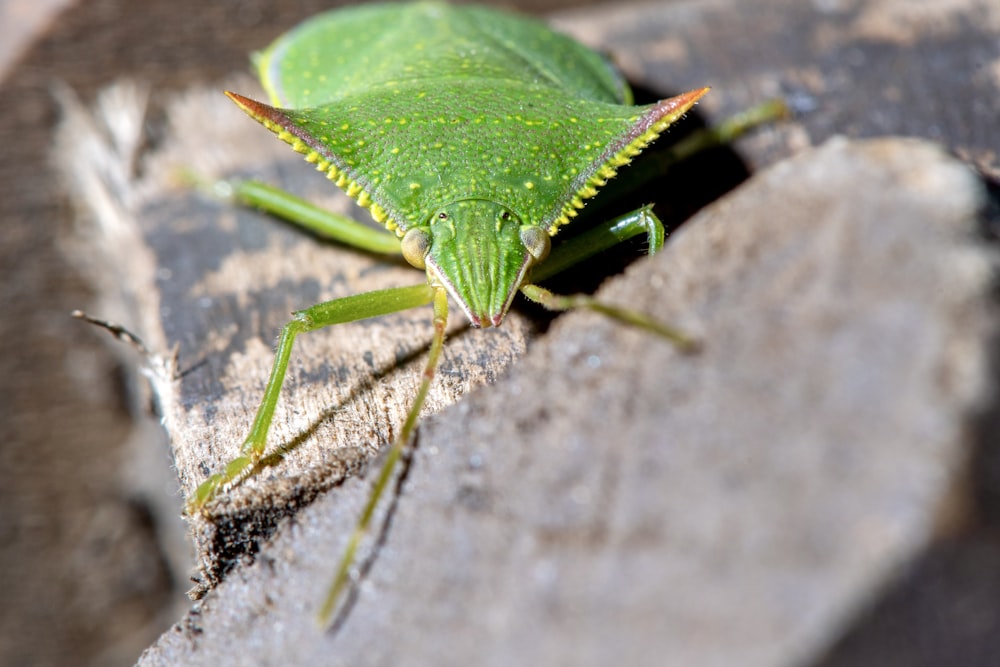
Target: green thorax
414,108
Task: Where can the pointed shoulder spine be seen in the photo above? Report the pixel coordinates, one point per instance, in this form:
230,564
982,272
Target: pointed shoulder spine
279,122
657,118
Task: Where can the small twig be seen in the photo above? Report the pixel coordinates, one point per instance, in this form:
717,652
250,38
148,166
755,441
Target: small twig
116,330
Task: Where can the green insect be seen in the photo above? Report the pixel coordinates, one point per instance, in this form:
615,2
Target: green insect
473,136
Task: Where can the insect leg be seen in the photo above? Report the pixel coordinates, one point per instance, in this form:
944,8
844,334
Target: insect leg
337,311
544,297
392,457
591,242
600,238
322,222
730,129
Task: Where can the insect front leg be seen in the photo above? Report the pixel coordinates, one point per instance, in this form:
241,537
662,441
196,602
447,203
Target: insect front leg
337,311
392,457
604,236
552,301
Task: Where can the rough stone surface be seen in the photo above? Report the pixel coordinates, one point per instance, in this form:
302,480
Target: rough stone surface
615,501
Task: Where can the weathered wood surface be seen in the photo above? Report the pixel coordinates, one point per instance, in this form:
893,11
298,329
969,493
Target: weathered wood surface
862,69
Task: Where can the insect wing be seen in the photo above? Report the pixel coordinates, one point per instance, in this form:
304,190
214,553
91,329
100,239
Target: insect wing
344,52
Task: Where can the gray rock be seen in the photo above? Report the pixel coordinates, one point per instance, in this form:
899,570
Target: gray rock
615,501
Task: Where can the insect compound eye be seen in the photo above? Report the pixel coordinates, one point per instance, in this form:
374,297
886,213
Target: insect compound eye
415,245
537,242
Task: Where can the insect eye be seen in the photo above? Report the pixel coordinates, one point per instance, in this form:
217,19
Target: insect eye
536,241
442,216
505,216
415,245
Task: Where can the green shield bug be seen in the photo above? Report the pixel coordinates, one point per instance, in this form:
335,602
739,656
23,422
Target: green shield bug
473,136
